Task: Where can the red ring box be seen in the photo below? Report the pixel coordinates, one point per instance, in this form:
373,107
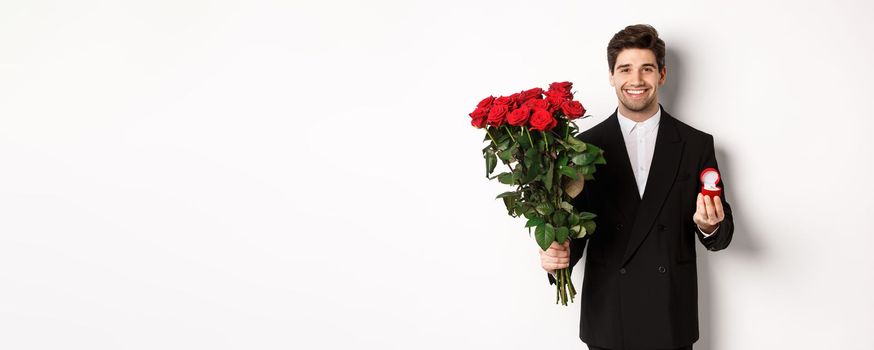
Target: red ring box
709,179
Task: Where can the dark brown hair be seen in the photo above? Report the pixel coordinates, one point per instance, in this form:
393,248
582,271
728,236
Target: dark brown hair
638,36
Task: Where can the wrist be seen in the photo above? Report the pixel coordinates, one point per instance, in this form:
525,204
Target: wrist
708,230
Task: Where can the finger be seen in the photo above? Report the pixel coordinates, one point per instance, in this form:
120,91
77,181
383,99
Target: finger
550,261
717,202
555,266
700,205
557,253
711,211
560,260
556,246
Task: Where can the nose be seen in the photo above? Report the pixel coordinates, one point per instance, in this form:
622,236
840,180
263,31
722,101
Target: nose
636,78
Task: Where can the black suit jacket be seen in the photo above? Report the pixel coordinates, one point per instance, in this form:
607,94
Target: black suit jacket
640,284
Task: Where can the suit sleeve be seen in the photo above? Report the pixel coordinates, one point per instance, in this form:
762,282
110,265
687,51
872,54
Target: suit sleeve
722,237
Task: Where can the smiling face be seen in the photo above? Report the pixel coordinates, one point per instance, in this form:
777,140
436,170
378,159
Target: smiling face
636,78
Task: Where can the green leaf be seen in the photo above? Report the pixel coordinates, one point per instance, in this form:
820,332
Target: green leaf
491,162
525,209
533,172
583,159
567,171
559,218
507,178
578,231
567,206
540,237
547,180
573,220
600,159
522,139
532,157
562,160
544,208
576,144
587,216
505,155
549,233
594,150
508,194
534,222
510,202
585,169
589,226
561,234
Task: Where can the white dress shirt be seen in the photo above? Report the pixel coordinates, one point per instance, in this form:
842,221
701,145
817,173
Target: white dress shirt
640,139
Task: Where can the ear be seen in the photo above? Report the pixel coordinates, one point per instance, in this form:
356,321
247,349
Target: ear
611,77
664,75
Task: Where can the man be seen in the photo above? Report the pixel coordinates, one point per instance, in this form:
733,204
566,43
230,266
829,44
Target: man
640,286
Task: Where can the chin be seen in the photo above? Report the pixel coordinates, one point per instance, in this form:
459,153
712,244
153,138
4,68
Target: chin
638,107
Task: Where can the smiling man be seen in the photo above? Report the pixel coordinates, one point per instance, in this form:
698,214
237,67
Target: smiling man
640,285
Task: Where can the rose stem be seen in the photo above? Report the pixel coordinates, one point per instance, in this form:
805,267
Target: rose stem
529,139
510,133
493,139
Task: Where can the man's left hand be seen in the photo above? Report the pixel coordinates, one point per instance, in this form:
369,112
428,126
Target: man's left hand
709,213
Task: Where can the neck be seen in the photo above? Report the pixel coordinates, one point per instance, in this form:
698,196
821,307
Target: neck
639,116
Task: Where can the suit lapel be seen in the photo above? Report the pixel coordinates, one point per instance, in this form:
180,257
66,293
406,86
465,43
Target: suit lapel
663,171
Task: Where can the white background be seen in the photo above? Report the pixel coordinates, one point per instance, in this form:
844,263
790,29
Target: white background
303,175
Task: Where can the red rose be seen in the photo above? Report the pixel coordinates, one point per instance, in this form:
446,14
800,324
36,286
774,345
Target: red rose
535,93
479,123
516,101
486,101
479,112
535,104
504,101
562,86
497,115
542,120
573,109
555,99
519,116
478,117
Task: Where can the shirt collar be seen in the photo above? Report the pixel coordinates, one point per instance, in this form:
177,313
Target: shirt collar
627,125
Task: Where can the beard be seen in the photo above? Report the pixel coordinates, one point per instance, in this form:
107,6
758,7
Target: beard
636,106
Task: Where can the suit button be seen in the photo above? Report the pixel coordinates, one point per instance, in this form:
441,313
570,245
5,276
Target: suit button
618,227
661,227
622,270
662,269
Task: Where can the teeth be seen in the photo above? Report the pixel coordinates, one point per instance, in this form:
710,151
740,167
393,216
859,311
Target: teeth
634,92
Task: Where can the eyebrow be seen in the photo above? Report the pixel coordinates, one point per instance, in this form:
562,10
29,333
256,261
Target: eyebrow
629,65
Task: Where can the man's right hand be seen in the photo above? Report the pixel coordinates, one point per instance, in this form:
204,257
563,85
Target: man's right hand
557,256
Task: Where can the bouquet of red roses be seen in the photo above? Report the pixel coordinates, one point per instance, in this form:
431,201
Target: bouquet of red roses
532,133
